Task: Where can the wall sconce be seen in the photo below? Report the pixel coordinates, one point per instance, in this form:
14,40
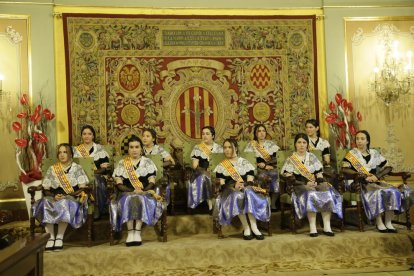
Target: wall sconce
393,73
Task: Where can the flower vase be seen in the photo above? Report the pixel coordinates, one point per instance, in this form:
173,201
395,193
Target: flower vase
38,194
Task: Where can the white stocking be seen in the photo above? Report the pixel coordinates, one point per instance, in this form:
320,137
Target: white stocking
130,226
210,204
61,230
380,224
312,222
326,217
253,224
50,229
388,218
246,228
137,232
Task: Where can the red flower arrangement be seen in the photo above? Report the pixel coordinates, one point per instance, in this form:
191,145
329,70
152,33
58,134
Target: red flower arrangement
342,121
31,140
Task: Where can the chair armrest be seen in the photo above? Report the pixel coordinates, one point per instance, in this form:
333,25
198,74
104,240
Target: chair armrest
403,175
33,189
287,183
104,171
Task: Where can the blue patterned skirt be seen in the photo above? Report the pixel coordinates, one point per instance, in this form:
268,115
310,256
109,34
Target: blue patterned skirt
199,190
323,199
133,206
380,197
231,203
69,210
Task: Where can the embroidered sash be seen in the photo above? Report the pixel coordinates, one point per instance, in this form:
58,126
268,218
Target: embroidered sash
205,149
263,152
63,179
301,167
356,163
82,150
231,170
132,174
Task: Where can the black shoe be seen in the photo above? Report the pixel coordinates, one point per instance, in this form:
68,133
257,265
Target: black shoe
247,237
392,230
383,230
329,234
50,248
58,247
128,244
258,237
313,235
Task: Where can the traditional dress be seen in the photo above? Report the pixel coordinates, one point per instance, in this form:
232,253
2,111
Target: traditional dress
323,199
72,210
157,150
145,206
200,187
100,156
266,153
379,196
230,202
320,144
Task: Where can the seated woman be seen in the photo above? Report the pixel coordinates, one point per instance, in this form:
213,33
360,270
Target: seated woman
64,203
239,197
137,203
377,196
265,151
89,148
312,194
200,187
149,140
316,142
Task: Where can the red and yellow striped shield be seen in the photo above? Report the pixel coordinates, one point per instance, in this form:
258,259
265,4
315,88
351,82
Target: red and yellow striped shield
260,76
196,108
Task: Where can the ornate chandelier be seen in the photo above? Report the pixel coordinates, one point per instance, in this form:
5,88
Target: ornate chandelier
393,74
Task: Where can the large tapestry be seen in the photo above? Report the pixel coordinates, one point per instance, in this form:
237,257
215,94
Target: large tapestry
177,74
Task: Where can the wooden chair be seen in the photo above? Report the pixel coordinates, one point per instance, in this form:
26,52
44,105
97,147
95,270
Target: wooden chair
169,175
161,227
88,166
352,195
286,189
215,159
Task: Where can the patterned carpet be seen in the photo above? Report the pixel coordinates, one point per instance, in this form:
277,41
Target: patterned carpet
192,249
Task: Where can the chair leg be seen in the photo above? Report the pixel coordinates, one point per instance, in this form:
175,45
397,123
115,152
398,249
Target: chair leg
164,226
111,235
292,220
408,219
282,215
32,225
90,230
269,228
361,222
172,200
217,226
